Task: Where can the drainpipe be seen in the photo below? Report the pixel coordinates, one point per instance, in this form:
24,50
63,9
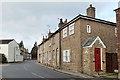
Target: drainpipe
14,54
118,36
60,49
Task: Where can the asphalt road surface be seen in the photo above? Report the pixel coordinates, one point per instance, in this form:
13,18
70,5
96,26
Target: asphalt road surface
28,70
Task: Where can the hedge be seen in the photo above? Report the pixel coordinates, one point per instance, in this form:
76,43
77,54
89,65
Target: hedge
3,58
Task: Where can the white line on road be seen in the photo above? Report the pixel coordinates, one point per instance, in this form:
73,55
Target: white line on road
4,64
25,68
38,75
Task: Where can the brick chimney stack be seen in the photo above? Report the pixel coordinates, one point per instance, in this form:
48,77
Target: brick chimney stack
60,23
118,36
91,11
49,33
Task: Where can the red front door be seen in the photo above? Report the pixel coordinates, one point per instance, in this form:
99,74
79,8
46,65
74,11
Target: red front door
97,59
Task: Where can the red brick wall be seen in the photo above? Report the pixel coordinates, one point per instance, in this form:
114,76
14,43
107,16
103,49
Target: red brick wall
118,33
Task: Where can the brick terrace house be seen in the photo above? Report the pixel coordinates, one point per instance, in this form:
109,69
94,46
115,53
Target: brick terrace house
80,45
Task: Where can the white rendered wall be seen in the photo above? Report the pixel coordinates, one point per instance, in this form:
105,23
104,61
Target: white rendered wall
14,52
4,49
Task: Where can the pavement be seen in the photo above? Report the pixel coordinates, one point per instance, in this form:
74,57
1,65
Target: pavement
77,74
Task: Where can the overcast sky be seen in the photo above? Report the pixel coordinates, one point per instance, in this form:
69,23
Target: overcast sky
28,21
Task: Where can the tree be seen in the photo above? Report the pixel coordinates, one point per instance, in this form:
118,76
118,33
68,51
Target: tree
34,51
21,44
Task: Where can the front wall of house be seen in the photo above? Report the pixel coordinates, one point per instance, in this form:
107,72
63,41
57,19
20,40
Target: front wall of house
14,51
72,43
45,51
55,47
104,31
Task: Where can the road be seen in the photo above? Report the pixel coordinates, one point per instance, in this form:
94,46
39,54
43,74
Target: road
30,70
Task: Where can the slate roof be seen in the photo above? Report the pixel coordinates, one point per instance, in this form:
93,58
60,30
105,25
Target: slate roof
7,41
89,41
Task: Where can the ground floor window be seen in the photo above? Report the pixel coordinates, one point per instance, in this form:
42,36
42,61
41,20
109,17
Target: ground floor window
66,56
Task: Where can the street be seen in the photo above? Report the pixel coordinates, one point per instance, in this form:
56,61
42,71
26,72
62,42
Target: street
29,69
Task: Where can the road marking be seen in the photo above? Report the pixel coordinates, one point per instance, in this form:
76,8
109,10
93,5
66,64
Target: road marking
25,68
38,75
4,64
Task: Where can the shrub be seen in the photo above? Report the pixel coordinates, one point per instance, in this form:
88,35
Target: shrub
3,58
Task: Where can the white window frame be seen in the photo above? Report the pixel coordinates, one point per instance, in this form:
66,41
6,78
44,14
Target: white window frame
88,29
66,56
115,31
65,32
71,29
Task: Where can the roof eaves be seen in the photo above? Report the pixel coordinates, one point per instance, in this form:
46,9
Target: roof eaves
98,20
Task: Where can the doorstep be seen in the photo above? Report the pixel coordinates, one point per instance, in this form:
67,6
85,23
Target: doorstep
77,74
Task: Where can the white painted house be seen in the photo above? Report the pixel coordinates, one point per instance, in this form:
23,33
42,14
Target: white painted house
10,48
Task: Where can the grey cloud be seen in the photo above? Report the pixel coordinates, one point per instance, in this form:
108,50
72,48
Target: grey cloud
27,21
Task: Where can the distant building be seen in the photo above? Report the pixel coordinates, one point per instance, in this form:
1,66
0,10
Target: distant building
11,50
80,45
23,51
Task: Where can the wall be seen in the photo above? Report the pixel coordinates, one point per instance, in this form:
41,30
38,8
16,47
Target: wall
4,49
104,31
14,51
72,43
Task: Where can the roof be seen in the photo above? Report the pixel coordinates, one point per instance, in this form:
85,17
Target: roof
7,41
91,41
117,9
77,18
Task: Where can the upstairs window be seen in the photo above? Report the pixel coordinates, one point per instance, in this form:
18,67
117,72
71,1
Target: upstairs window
66,56
88,29
116,31
49,56
49,42
65,32
71,29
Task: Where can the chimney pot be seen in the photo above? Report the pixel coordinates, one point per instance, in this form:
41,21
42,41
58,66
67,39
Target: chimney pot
65,20
61,23
90,5
60,20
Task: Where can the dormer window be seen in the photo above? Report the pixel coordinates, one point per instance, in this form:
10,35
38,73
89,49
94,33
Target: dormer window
88,29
